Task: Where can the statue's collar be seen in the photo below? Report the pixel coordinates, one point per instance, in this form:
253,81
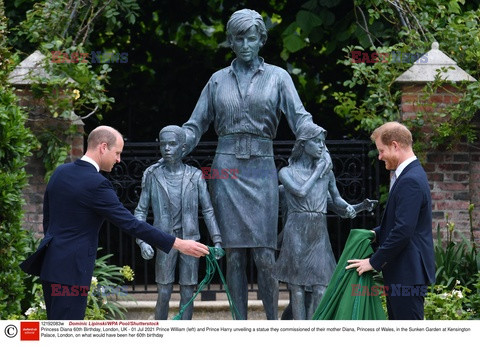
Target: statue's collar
261,66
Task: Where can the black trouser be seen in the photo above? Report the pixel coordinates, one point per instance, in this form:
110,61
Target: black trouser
406,302
65,302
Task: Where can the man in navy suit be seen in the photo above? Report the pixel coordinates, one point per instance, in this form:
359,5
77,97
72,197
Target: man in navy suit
404,240
77,201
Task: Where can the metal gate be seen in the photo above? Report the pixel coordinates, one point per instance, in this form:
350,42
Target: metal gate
356,173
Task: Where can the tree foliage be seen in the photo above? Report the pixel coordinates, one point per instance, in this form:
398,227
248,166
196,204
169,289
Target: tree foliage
174,47
416,25
76,85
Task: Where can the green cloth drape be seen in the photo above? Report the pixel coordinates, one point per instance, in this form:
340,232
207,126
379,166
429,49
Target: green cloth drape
346,296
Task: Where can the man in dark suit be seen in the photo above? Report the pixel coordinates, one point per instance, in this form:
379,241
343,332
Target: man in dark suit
405,252
77,201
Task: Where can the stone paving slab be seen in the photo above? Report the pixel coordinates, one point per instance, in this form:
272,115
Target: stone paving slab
203,310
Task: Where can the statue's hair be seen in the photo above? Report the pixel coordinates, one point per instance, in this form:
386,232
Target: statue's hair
242,20
180,132
103,134
305,132
393,131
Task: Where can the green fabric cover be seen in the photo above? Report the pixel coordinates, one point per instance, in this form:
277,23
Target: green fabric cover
338,302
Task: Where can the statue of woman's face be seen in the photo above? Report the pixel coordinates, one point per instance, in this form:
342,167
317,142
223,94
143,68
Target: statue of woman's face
247,45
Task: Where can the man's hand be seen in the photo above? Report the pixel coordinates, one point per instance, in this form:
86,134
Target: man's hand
362,265
147,251
190,247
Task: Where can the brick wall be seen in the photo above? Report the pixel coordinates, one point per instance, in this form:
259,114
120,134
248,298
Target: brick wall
33,195
454,174
414,100
449,176
475,187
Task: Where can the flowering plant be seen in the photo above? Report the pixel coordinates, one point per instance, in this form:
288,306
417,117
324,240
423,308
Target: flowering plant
445,304
107,286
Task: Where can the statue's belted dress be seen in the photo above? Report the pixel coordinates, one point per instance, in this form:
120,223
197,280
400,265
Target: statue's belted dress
306,257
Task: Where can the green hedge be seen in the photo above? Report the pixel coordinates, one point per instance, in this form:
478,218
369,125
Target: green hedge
16,143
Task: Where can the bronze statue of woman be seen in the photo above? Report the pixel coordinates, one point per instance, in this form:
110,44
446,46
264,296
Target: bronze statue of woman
245,102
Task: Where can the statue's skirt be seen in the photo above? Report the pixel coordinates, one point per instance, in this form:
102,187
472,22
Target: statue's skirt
245,200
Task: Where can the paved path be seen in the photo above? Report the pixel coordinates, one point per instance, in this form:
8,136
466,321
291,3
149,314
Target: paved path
203,310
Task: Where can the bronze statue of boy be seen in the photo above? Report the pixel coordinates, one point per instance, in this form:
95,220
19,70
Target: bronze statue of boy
173,190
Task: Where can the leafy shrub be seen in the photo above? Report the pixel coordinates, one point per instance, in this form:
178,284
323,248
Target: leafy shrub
16,143
456,293
102,299
456,260
473,303
442,303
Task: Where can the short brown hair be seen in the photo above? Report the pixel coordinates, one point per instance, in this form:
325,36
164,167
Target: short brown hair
103,134
393,131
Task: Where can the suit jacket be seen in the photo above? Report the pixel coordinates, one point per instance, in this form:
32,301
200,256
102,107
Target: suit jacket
405,253
77,201
194,189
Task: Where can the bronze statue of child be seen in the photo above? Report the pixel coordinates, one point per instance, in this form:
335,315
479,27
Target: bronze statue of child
173,191
306,261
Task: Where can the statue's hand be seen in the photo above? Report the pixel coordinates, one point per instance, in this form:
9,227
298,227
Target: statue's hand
147,251
328,159
321,165
371,204
324,164
350,212
219,252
